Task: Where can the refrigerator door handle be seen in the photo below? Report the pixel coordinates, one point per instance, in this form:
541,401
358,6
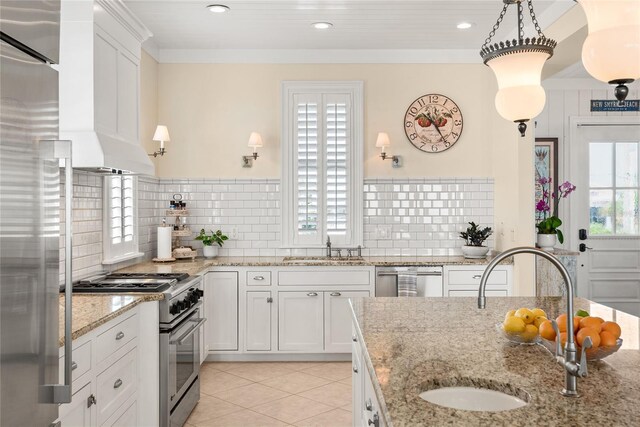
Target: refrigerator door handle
61,150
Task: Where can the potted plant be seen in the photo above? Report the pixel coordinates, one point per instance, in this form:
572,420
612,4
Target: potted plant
549,226
208,248
475,236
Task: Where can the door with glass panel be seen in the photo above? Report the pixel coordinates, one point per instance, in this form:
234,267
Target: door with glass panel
604,165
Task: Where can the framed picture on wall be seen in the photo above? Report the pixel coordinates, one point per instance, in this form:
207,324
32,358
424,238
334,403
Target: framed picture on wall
546,166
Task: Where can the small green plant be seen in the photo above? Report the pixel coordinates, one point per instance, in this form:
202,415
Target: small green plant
215,237
474,235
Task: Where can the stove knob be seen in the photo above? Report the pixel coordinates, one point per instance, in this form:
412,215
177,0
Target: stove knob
193,296
200,293
186,303
175,308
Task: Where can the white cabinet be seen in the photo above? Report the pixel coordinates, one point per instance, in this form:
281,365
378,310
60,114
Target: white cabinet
337,320
221,298
300,321
80,411
464,280
258,321
366,407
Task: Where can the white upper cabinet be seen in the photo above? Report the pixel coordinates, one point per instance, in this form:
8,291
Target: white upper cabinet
100,50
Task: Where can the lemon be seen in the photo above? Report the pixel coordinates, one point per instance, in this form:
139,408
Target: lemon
538,312
525,314
513,325
538,321
530,333
510,313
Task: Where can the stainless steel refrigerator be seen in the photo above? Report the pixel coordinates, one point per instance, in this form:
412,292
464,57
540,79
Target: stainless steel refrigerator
30,204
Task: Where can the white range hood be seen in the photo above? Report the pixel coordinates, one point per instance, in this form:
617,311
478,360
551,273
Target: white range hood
100,50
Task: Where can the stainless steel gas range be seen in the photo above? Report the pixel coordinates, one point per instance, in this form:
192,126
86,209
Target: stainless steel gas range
180,315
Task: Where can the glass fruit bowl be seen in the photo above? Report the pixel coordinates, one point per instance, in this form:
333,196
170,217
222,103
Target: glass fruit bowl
593,354
517,338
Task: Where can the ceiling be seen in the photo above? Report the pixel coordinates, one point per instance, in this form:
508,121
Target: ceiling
358,24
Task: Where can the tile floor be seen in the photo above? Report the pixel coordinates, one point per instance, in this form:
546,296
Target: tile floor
313,394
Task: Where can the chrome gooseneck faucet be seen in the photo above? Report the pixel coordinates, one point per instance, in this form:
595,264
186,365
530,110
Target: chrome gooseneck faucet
568,358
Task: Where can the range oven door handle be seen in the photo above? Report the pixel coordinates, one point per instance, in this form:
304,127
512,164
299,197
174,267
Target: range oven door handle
424,273
180,340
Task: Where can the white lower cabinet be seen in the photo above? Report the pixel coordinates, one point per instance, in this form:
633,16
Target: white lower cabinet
464,280
127,418
258,321
366,407
300,321
79,413
221,296
337,320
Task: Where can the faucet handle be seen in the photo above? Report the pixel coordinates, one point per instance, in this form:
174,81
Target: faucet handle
582,369
556,329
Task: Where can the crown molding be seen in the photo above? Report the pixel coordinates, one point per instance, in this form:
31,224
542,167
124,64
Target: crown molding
126,18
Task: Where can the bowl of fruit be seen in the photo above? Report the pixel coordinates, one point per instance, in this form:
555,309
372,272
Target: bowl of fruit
605,335
521,326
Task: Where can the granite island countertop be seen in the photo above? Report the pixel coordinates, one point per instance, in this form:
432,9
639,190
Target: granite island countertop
200,264
92,310
411,345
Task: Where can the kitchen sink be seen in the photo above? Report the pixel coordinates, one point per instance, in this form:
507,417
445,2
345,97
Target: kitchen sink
322,260
472,399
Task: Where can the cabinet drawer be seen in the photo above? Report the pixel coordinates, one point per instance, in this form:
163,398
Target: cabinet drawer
128,418
324,277
258,278
470,293
472,277
80,362
116,385
115,337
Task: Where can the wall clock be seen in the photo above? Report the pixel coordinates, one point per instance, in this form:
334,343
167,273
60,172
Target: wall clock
433,123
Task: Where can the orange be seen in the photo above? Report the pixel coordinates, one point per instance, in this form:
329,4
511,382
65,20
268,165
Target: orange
607,339
588,332
612,327
591,322
563,338
562,322
546,331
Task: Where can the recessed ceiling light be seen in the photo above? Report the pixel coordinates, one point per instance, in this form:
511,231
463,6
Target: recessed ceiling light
464,25
218,8
322,25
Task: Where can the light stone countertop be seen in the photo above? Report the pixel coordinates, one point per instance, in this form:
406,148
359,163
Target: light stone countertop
412,345
200,264
92,310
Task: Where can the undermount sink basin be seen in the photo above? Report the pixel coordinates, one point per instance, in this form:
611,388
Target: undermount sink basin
472,399
321,260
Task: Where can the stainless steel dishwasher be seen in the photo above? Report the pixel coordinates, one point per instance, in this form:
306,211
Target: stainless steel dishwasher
429,281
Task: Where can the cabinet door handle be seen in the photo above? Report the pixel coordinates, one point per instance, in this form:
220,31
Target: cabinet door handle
477,276
118,383
367,405
119,336
355,369
269,300
312,294
91,400
74,366
258,278
354,338
375,422
335,294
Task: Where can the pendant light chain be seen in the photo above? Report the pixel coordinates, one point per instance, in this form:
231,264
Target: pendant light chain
534,19
496,26
520,23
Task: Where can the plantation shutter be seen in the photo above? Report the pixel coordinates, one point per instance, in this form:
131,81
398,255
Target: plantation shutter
336,148
121,216
307,146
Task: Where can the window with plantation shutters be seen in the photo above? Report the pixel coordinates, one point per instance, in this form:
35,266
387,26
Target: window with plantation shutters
120,219
322,163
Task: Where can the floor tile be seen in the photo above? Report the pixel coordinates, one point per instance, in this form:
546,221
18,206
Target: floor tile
346,381
334,371
251,395
296,382
292,409
260,372
244,418
210,407
212,382
334,418
334,394
299,366
348,407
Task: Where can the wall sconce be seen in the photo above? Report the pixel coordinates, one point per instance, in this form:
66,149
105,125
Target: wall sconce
161,135
255,142
383,142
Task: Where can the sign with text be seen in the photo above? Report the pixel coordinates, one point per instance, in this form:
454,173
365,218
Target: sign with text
615,105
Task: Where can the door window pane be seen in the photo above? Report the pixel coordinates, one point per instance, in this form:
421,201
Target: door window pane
627,164
600,164
627,212
600,212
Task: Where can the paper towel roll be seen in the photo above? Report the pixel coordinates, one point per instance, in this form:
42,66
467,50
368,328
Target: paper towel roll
164,242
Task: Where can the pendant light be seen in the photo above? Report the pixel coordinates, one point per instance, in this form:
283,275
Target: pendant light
517,65
611,52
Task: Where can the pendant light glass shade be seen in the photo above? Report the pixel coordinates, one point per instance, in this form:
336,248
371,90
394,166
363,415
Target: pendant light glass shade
520,95
611,52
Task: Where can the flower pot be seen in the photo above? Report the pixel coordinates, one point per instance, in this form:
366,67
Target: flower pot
210,251
475,252
546,242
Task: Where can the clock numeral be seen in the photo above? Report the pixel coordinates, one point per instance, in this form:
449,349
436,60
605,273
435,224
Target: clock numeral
455,135
413,136
447,144
413,111
455,110
421,102
457,122
433,99
422,145
434,148
409,124
445,102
